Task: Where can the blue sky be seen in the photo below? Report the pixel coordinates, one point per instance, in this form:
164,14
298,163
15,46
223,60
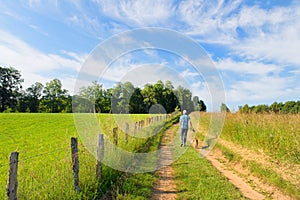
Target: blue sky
254,44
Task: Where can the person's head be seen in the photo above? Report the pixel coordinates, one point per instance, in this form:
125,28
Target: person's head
184,112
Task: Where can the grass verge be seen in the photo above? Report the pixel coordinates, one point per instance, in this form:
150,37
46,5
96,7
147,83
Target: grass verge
196,178
264,173
140,186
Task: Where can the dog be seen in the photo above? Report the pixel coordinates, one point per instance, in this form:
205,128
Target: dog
195,143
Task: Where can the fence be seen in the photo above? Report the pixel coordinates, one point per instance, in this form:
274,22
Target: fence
12,183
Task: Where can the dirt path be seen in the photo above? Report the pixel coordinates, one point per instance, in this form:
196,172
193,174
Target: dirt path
245,189
250,186
287,172
165,187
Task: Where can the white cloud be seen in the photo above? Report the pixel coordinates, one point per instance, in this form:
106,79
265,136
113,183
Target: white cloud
34,64
144,13
273,35
252,68
259,91
187,73
209,20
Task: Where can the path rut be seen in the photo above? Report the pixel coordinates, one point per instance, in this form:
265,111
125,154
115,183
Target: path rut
165,187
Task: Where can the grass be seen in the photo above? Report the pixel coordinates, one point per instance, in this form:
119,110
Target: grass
139,186
45,170
264,173
272,177
275,135
196,178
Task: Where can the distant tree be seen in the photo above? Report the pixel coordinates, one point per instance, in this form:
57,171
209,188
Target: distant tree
169,85
149,97
55,98
184,96
199,105
121,94
10,86
196,103
170,100
261,109
224,108
106,101
289,107
245,109
274,107
23,102
124,98
136,103
91,96
29,100
202,106
34,94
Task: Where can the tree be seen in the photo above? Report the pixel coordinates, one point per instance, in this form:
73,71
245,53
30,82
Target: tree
29,100
121,96
55,98
202,106
184,96
92,96
10,86
34,93
162,94
224,108
149,97
199,105
136,103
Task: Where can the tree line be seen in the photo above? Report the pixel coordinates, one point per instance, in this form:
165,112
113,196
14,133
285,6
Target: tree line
122,98
289,107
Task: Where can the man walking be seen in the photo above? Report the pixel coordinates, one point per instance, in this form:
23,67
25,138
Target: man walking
184,126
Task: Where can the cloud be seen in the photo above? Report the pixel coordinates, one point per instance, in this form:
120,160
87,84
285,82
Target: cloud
248,68
258,83
259,91
272,35
142,13
34,64
209,21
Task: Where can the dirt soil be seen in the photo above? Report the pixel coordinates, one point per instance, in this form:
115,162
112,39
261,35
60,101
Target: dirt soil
251,186
165,187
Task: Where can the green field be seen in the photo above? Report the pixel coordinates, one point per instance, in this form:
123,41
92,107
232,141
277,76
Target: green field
45,166
272,135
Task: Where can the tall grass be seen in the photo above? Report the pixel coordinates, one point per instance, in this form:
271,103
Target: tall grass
276,135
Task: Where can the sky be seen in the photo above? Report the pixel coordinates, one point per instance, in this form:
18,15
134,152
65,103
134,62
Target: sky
253,44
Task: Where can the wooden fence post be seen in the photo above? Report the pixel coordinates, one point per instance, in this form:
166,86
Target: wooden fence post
134,128
12,183
75,163
100,155
115,134
126,132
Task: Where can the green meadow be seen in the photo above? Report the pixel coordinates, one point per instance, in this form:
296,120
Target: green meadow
45,166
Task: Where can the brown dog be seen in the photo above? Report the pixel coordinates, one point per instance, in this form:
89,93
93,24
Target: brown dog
195,143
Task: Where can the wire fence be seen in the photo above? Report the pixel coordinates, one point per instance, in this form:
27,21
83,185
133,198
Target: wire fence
55,152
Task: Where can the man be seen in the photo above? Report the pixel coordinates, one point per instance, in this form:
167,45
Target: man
184,126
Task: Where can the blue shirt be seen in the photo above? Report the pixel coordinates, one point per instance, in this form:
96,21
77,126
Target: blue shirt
184,121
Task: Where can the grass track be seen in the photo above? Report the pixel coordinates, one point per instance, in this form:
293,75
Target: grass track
196,178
